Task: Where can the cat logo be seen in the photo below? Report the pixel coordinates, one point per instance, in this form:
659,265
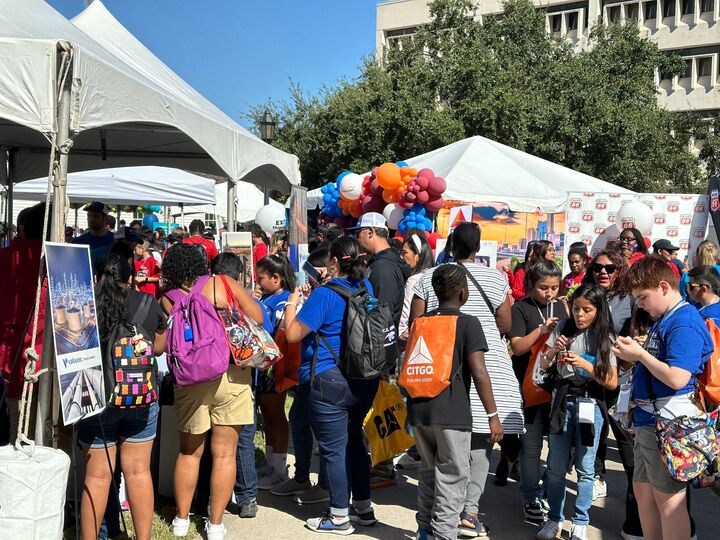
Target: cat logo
420,362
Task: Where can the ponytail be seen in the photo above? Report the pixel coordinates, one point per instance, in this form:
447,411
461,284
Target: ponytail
351,261
111,295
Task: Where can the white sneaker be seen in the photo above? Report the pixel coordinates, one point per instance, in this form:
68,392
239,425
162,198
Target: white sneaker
406,462
180,527
578,532
599,488
215,532
550,531
274,480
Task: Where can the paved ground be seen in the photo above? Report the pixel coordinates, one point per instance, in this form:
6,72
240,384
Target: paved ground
279,518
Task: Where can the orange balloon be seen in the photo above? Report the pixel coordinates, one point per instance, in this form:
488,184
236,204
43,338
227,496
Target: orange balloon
391,196
388,176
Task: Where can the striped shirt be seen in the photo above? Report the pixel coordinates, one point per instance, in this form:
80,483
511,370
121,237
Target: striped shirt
497,360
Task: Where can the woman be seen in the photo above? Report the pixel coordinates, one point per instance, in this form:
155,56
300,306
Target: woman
707,254
260,243
577,260
632,245
159,244
279,244
607,269
541,249
129,431
338,406
417,254
222,405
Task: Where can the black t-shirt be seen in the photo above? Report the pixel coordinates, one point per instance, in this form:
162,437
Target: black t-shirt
451,409
155,320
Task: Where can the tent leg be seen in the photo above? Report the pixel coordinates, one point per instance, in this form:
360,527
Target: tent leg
182,215
231,206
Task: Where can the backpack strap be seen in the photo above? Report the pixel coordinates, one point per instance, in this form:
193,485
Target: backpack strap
478,287
142,312
344,291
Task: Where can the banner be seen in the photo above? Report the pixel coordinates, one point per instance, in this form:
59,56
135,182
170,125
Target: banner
75,331
681,218
714,197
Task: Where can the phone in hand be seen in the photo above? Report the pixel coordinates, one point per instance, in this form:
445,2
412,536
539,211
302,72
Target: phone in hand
311,272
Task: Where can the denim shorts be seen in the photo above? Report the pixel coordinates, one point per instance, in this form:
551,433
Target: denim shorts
131,425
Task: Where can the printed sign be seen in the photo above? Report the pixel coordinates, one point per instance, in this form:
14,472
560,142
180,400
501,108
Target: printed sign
460,214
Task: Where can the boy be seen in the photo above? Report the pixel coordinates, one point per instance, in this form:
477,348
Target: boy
703,287
147,271
442,424
676,349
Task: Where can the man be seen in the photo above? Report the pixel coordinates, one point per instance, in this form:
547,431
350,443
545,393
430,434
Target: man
98,237
387,274
667,251
197,227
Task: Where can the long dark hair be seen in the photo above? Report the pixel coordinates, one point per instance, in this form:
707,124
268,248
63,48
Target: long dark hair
347,251
602,326
111,294
257,231
182,265
641,247
621,266
280,265
539,250
424,253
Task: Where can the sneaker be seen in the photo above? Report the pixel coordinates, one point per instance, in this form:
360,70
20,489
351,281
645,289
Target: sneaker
273,481
381,481
550,531
515,471
180,527
365,518
545,505
501,473
327,524
291,487
578,532
424,534
599,488
248,509
628,536
265,470
314,495
407,463
477,527
534,514
215,532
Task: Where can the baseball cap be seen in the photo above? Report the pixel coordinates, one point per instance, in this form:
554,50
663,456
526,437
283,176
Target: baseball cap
371,219
665,244
97,206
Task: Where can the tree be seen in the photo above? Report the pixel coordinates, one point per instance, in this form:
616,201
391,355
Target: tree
507,79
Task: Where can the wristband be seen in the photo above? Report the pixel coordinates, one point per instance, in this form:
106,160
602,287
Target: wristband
490,415
291,304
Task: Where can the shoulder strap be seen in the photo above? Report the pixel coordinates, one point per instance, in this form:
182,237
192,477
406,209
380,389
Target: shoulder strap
344,291
228,291
478,287
142,312
320,339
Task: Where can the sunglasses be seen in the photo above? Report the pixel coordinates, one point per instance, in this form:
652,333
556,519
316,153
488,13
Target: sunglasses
609,268
694,285
626,239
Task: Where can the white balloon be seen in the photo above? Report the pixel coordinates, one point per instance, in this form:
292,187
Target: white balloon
393,214
636,214
351,186
271,218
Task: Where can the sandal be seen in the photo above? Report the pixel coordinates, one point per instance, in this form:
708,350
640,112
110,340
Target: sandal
478,528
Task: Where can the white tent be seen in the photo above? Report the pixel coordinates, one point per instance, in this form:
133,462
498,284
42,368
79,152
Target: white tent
129,186
126,107
481,170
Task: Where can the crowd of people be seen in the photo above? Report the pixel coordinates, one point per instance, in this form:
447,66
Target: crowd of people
537,359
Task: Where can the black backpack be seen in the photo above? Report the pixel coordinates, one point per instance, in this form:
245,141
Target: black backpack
368,330
129,364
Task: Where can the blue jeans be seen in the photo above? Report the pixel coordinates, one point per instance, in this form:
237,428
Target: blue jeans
338,407
246,476
584,465
303,436
531,443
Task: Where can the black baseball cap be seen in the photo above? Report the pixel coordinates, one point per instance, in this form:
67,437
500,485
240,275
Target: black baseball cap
665,244
97,206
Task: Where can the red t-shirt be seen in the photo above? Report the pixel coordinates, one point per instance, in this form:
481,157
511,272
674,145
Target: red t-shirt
147,268
210,248
259,251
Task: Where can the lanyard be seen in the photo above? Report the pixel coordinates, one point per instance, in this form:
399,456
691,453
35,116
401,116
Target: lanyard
548,309
655,330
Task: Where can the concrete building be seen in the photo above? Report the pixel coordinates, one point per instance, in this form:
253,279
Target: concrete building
688,27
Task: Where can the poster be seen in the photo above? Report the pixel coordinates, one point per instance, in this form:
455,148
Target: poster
486,255
681,218
75,331
459,214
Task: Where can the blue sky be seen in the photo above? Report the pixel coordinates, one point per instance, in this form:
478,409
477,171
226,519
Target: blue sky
239,53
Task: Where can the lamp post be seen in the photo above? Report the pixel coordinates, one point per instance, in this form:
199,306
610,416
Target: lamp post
268,125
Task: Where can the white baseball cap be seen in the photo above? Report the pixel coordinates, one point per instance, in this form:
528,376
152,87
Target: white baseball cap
371,219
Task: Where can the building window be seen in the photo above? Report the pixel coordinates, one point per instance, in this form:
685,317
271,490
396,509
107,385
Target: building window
650,10
572,20
688,7
704,66
615,14
632,12
210,221
707,5
395,38
555,23
668,8
138,215
688,69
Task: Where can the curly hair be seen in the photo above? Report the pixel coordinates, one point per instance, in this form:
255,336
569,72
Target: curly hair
447,281
621,267
182,265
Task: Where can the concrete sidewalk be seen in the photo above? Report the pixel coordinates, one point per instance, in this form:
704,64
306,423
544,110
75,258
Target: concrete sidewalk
280,518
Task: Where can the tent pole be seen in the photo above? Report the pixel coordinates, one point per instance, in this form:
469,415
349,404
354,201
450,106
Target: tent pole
48,411
231,206
266,196
8,188
182,215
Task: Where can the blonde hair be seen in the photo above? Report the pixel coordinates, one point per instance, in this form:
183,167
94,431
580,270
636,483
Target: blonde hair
707,254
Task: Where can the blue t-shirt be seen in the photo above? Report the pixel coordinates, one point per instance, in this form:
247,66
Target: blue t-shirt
711,312
680,339
99,245
323,312
685,279
267,323
274,305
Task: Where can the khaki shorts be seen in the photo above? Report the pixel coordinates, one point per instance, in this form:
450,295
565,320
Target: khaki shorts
227,401
649,468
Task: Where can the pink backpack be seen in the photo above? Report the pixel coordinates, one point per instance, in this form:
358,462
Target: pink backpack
197,348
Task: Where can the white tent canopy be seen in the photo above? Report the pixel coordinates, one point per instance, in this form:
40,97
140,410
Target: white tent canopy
481,170
249,200
127,107
129,186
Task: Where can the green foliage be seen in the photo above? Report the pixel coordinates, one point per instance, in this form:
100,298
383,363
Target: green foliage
593,110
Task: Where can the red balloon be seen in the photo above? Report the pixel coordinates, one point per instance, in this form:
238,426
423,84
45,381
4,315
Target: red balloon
422,182
342,222
433,238
375,187
373,203
427,173
423,197
437,186
434,204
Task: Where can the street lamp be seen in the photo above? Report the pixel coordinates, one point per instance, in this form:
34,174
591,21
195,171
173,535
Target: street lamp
267,134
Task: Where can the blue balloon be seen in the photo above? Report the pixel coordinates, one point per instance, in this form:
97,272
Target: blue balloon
340,177
401,164
149,220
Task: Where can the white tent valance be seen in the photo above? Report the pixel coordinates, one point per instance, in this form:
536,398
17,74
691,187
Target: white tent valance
249,199
129,186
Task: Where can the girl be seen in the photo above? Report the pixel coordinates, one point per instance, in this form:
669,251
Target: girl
275,279
533,320
260,243
632,245
417,254
147,271
707,254
279,243
580,352
577,259
541,249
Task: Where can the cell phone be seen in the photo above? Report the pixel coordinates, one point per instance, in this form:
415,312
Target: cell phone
311,271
